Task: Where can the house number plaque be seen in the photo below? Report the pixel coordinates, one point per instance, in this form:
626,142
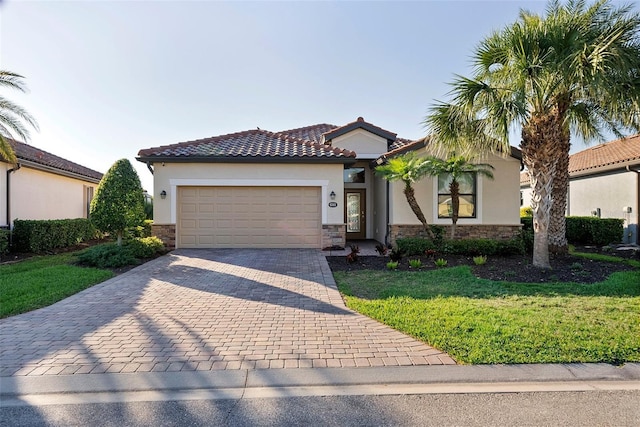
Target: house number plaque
333,204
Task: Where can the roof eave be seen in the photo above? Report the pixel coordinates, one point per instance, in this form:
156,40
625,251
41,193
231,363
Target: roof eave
57,171
244,159
635,163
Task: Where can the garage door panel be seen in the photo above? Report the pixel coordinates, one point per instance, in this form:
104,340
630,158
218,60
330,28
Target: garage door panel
258,217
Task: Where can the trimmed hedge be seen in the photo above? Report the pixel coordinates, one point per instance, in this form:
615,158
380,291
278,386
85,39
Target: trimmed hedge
590,230
41,236
4,241
417,246
585,230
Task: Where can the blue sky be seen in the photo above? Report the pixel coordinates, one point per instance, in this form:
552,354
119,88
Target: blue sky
109,78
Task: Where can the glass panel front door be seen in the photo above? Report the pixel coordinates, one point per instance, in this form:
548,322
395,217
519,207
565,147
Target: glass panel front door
355,214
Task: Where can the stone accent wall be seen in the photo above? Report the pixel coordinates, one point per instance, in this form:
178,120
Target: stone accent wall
498,232
166,233
334,235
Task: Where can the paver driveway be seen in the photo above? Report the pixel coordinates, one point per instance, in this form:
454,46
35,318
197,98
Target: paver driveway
206,310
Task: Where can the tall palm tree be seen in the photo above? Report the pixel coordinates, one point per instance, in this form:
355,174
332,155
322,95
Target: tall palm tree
12,116
458,168
575,70
408,168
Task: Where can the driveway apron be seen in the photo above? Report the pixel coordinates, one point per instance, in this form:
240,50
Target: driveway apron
206,310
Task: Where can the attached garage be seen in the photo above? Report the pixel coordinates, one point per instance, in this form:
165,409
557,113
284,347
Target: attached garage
249,217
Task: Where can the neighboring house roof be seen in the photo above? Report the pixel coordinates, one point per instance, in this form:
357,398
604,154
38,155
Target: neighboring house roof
612,155
251,145
39,159
311,133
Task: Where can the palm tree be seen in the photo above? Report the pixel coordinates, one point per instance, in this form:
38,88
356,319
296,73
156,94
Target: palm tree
575,70
12,117
458,168
408,168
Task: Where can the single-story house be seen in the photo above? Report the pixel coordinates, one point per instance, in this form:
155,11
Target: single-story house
44,186
310,187
604,181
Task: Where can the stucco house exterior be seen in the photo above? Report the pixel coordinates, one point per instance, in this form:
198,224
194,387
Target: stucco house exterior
310,187
44,186
604,181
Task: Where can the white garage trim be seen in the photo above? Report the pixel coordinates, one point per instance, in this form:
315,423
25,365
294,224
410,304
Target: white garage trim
179,182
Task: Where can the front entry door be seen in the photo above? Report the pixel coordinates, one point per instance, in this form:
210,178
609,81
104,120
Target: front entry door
355,213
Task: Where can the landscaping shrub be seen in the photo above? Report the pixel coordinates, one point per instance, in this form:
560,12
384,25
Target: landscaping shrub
41,236
589,230
143,230
582,230
418,246
4,241
415,245
145,247
109,255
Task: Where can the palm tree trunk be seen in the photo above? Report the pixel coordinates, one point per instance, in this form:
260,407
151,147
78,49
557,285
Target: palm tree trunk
540,154
557,224
411,199
454,189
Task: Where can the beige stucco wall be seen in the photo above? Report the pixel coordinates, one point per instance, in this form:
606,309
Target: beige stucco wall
42,195
610,193
498,199
173,175
365,144
3,191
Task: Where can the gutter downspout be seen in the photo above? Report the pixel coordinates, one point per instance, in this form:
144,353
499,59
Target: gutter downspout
149,167
9,194
386,237
637,207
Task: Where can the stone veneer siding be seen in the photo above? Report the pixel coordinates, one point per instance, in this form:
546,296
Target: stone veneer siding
166,233
498,232
334,235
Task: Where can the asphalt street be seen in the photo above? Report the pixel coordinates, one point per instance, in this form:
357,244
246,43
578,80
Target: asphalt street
593,408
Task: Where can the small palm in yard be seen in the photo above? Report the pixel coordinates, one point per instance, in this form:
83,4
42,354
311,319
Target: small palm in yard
451,172
408,168
12,117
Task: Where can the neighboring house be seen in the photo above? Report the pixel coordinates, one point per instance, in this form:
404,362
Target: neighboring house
44,186
309,187
604,181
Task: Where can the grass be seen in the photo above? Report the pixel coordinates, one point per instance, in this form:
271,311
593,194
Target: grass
479,321
41,281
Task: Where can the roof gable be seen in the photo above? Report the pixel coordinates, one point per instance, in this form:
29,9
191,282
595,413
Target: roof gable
359,124
37,158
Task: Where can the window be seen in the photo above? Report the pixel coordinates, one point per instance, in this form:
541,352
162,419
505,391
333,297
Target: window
467,192
88,196
354,175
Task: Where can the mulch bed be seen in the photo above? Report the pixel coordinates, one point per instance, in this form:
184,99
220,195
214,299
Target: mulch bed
505,268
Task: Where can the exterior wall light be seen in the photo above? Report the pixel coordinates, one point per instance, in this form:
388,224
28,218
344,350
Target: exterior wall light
163,194
332,195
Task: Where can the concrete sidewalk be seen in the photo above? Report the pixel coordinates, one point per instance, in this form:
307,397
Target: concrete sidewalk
92,388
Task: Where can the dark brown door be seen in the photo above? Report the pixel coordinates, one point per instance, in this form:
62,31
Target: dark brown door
354,202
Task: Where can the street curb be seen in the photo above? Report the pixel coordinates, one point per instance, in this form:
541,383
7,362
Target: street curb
316,377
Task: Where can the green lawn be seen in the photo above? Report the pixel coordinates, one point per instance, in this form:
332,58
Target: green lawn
480,321
41,281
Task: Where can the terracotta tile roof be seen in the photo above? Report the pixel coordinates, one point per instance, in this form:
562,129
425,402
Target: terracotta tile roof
524,178
32,154
311,133
244,145
618,152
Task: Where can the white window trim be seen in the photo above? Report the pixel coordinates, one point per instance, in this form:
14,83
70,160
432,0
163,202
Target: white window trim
461,221
186,182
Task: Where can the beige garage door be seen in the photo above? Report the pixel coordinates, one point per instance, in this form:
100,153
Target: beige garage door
249,217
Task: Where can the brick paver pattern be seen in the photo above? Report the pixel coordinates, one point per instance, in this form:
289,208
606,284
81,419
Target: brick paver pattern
207,310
